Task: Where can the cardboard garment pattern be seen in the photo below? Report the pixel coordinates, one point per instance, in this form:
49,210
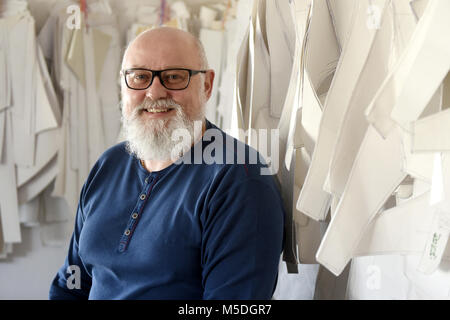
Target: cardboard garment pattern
368,203
354,124
315,71
313,200
413,227
423,65
403,229
440,204
432,133
286,128
377,171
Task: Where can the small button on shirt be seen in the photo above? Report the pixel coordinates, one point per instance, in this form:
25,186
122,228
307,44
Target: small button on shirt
190,231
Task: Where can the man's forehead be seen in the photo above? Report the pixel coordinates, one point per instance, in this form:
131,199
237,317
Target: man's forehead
146,66
165,38
159,59
173,50
165,32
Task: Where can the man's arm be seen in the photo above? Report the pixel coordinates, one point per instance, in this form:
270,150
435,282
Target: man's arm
242,241
72,282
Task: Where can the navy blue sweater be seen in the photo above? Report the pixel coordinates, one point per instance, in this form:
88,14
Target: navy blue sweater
190,231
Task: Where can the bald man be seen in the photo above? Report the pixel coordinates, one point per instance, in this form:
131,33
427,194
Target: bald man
173,212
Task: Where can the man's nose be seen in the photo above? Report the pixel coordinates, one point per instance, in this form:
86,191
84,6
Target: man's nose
156,90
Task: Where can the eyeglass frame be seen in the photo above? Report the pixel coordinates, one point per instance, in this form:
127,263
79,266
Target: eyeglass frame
157,73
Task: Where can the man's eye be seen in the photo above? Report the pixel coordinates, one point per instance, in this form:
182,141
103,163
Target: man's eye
174,78
141,77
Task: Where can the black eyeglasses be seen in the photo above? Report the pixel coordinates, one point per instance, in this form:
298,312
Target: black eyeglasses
172,79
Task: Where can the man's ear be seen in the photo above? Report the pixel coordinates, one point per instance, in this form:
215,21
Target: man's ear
209,80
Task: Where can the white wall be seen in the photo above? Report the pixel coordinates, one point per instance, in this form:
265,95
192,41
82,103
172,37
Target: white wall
28,272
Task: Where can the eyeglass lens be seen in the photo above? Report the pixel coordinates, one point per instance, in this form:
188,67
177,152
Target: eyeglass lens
171,79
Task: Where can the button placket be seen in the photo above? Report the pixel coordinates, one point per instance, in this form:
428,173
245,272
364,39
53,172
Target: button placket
137,211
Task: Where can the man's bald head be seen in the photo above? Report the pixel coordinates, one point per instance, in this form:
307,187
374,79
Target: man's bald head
180,39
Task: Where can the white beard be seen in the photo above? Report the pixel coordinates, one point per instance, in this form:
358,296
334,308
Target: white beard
152,139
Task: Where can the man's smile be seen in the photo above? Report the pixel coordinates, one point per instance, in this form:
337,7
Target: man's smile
156,113
159,110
